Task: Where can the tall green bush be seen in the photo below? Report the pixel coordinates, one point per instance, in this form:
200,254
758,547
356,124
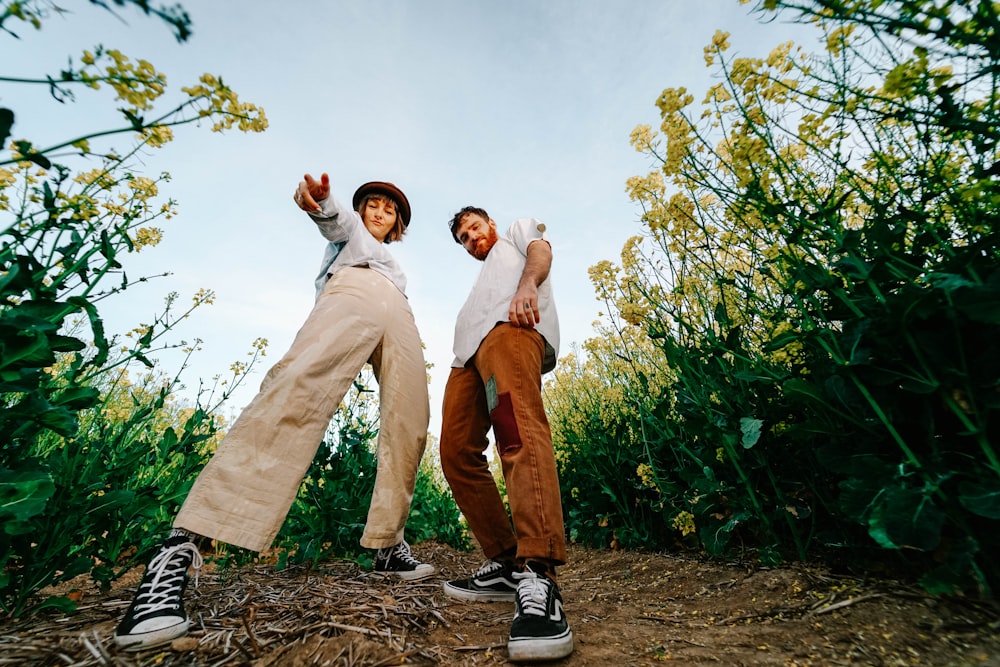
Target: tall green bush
820,272
70,212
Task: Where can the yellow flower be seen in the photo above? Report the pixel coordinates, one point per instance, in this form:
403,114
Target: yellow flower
157,135
642,138
147,236
647,476
684,522
720,40
838,38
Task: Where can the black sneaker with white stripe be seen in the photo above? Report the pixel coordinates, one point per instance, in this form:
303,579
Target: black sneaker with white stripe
156,615
493,582
539,630
398,561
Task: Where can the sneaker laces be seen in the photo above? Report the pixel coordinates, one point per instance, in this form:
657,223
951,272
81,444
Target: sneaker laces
402,552
168,568
489,567
532,593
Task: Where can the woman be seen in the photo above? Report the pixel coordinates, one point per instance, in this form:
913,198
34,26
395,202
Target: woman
243,494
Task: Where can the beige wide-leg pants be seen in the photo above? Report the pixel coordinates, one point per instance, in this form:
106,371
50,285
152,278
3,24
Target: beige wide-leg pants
245,491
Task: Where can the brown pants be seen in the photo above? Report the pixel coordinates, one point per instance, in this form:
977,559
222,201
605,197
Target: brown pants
502,387
244,493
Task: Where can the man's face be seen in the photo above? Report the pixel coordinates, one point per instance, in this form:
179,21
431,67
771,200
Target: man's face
477,235
379,216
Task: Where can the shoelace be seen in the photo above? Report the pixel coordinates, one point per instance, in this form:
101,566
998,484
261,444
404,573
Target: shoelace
168,568
489,567
532,593
403,553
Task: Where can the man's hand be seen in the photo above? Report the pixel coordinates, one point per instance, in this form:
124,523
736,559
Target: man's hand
311,191
524,306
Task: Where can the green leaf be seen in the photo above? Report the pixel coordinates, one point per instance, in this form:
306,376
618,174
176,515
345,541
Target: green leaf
49,200
77,398
75,568
906,518
856,498
11,278
136,121
110,500
853,267
28,350
66,344
168,441
769,556
798,388
97,327
981,499
980,303
715,534
29,154
812,276
38,314
855,462
750,428
22,380
59,603
24,493
60,420
141,358
948,281
956,571
782,339
722,315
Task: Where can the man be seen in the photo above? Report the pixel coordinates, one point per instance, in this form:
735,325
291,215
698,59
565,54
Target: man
506,337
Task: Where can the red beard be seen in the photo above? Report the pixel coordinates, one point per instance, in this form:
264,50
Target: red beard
485,244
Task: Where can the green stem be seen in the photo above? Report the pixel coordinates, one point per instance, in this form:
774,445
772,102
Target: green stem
897,438
780,495
159,122
758,508
980,435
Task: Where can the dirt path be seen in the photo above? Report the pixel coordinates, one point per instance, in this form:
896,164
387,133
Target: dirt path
624,608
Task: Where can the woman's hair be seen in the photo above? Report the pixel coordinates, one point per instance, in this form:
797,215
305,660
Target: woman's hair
398,229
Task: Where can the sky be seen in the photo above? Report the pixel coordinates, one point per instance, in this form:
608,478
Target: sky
521,107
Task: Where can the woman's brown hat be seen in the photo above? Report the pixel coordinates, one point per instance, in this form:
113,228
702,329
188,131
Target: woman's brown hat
388,189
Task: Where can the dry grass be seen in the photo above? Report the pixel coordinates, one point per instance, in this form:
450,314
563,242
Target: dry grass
625,608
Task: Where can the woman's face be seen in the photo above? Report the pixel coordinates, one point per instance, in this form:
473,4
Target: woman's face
379,215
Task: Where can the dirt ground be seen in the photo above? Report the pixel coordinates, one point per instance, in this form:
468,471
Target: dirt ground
625,608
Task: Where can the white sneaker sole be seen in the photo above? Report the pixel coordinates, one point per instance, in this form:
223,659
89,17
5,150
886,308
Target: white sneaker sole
153,638
466,595
414,575
539,649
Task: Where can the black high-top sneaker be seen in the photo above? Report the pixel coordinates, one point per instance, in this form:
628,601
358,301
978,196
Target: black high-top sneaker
398,561
156,615
539,630
493,582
